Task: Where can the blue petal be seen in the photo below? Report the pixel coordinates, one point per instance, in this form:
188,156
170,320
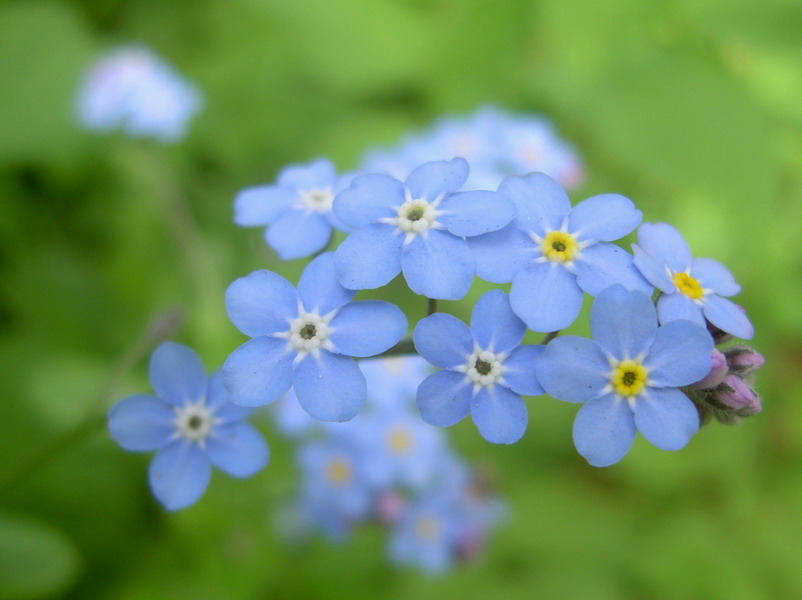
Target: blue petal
715,276
443,340
541,204
521,375
728,317
680,354
298,233
431,179
603,265
654,272
474,213
546,296
573,369
604,218
258,372
179,474
369,258
261,205
624,323
177,374
330,387
501,254
140,423
438,265
666,417
367,328
665,244
261,303
238,449
217,399
499,414
316,175
444,398
320,289
495,327
671,307
604,430
370,197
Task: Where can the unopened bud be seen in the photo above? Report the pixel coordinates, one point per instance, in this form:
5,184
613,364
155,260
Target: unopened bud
744,360
718,371
390,506
735,393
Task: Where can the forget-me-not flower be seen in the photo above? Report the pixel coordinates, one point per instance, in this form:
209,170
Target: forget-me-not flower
191,424
485,370
306,339
552,253
628,376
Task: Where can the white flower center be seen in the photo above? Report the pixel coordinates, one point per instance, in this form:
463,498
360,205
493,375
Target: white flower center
485,368
308,333
194,422
318,200
416,216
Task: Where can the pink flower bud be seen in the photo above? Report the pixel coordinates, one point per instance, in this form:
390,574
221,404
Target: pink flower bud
744,360
390,506
718,371
735,393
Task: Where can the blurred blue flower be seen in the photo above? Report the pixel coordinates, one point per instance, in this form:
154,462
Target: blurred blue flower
427,535
192,425
393,381
628,376
485,371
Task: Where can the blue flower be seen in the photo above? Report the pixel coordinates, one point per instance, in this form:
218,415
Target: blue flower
416,227
427,535
305,339
693,288
393,381
192,425
552,253
627,376
297,208
485,371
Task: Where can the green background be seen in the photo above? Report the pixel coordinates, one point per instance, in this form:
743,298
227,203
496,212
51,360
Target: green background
689,107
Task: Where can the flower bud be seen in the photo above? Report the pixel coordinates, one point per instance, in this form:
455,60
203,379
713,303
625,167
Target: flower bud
718,371
390,506
735,393
744,360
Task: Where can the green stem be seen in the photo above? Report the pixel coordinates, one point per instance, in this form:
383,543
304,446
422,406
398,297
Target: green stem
431,306
549,336
405,346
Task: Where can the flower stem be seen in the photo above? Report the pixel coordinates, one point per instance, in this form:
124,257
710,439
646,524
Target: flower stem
431,306
549,336
405,346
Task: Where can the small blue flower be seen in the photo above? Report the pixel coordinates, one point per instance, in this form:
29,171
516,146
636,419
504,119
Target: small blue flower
627,376
693,288
297,208
416,227
427,536
392,382
192,425
552,253
305,338
485,371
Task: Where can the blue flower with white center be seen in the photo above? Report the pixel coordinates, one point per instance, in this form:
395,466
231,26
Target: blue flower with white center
485,370
191,424
416,227
628,376
297,208
306,339
552,253
692,288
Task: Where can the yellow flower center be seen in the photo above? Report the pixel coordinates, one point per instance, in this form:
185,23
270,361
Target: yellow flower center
688,286
559,246
399,440
628,378
338,471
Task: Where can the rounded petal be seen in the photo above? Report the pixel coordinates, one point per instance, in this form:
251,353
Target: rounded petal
604,430
261,205
320,289
715,276
369,258
238,449
474,213
317,174
546,296
330,387
369,197
624,323
177,374
261,303
573,369
501,254
541,204
499,414
141,423
495,327
520,374
603,265
367,328
680,354
438,265
444,398
443,340
654,272
666,417
728,317
665,244
179,474
298,233
431,179
258,372
605,218
671,307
